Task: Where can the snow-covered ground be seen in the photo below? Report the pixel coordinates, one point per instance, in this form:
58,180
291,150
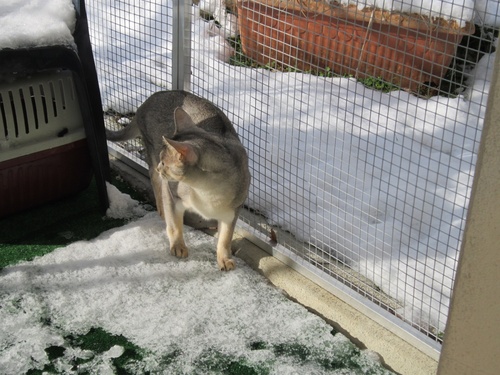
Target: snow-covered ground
186,316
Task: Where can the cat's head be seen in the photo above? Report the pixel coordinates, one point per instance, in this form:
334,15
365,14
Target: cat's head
176,158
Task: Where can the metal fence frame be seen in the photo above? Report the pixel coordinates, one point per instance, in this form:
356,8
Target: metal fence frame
257,229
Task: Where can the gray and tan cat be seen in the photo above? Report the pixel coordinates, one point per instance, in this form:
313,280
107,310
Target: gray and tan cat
196,163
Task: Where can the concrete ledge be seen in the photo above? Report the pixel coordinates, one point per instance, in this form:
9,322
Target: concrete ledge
395,353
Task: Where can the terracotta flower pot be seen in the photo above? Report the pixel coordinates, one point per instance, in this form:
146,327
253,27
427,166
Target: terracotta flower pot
309,35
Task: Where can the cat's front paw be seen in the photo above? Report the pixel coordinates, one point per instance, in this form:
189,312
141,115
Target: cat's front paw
179,250
226,264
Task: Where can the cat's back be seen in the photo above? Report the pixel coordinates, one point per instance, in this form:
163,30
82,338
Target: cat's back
159,108
156,114
208,116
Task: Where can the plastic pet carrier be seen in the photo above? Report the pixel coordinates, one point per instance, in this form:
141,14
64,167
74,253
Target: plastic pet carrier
52,137
43,147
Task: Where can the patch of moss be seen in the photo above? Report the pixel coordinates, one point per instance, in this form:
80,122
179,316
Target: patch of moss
378,84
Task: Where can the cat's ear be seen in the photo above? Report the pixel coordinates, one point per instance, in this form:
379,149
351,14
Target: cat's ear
182,120
186,152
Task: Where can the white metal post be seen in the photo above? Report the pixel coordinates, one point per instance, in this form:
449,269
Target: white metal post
181,46
472,339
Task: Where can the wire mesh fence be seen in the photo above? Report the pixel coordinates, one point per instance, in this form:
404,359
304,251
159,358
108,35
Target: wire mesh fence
362,124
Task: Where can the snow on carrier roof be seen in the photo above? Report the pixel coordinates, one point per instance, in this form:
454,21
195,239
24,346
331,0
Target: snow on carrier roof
36,23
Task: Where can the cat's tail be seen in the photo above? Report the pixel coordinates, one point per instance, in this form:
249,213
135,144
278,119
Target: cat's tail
129,132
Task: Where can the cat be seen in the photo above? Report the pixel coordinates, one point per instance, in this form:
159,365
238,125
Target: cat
196,163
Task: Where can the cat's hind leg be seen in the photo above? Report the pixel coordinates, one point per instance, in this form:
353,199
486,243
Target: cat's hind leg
224,254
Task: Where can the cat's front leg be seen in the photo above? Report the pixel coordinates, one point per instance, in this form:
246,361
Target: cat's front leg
174,221
224,254
174,216
156,182
178,247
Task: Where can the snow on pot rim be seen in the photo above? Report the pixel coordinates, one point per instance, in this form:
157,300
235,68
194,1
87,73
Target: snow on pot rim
407,17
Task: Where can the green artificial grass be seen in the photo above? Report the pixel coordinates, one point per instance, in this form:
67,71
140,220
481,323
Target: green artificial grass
38,231
96,341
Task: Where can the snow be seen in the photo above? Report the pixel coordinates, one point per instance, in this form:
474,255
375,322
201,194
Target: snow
123,207
30,23
487,13
126,283
461,11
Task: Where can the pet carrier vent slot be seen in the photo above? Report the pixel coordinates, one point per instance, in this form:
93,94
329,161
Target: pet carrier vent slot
53,98
24,111
4,117
14,117
44,104
34,106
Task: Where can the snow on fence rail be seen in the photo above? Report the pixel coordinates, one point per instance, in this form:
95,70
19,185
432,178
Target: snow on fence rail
354,178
